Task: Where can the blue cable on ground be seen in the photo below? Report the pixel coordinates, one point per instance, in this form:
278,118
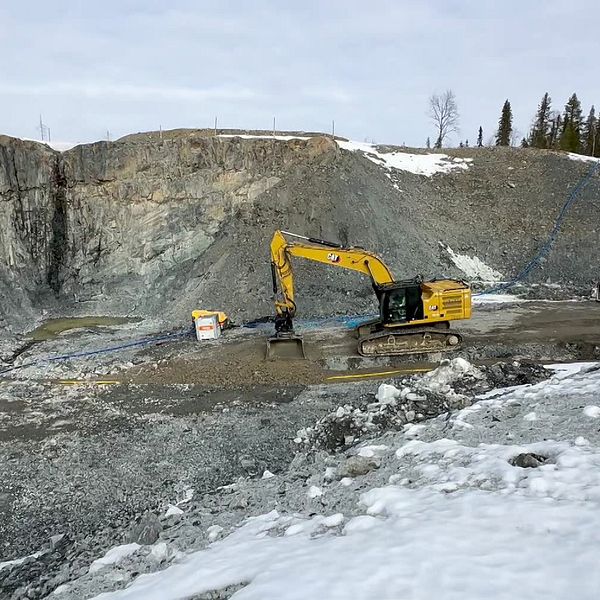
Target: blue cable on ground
545,249
143,342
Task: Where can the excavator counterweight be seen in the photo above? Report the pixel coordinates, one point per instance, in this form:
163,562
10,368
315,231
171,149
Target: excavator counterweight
414,315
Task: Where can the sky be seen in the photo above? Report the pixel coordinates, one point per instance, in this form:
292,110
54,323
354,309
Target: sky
98,69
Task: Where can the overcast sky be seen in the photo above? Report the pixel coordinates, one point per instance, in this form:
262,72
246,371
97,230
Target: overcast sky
132,65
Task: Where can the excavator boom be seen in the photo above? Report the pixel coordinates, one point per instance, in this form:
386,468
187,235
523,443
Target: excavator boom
329,253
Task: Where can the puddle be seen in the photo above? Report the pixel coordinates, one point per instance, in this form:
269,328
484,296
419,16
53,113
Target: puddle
54,327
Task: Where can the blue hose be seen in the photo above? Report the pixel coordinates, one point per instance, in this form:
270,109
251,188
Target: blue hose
545,249
144,342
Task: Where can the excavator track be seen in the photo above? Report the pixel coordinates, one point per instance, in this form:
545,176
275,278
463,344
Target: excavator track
419,340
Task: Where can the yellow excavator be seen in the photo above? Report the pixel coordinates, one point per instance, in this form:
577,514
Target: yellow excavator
414,315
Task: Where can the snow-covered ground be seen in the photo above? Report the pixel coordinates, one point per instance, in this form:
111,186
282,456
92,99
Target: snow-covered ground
582,157
18,561
448,512
472,266
250,136
479,299
420,164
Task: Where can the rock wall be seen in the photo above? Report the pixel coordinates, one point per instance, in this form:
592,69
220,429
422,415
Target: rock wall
155,225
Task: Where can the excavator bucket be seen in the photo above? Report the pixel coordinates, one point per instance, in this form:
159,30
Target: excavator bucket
290,347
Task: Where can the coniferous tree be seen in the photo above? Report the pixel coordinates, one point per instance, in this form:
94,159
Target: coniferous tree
480,137
570,137
466,143
428,143
524,143
538,138
555,129
504,126
589,133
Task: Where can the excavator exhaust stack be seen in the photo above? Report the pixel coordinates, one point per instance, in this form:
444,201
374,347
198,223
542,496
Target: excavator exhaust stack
285,347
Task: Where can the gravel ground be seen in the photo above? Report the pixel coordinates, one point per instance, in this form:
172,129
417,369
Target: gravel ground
100,465
340,478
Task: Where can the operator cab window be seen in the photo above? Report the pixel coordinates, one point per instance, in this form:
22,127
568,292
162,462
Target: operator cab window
402,305
395,306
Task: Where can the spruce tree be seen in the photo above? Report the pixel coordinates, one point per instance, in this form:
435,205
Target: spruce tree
480,137
504,126
555,129
570,137
589,133
428,143
524,143
538,138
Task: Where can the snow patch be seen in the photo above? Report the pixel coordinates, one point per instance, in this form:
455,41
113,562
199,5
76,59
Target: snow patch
314,492
114,556
160,551
563,370
19,561
213,532
419,164
249,136
377,450
173,510
582,158
496,299
592,411
473,267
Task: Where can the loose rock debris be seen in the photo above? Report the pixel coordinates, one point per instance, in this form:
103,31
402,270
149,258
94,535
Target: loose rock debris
452,386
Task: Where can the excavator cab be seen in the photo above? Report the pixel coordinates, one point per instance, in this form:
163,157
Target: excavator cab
400,302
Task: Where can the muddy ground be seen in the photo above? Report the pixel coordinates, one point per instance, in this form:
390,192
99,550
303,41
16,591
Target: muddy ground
89,446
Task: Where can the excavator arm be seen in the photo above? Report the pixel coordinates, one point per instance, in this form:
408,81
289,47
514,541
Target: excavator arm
353,259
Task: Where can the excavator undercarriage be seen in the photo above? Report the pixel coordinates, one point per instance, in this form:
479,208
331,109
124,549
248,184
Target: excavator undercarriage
410,340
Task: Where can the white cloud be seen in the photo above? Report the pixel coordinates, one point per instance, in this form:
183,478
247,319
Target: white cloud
127,91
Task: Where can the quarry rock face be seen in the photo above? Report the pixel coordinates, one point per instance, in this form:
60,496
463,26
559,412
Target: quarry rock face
157,224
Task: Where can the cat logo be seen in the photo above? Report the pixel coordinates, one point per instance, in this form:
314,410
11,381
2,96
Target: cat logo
333,257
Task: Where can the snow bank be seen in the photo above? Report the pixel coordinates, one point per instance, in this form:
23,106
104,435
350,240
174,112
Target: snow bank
460,519
419,164
437,541
582,158
473,267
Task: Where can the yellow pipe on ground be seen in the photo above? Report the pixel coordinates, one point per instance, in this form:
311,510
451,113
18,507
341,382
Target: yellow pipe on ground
380,373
